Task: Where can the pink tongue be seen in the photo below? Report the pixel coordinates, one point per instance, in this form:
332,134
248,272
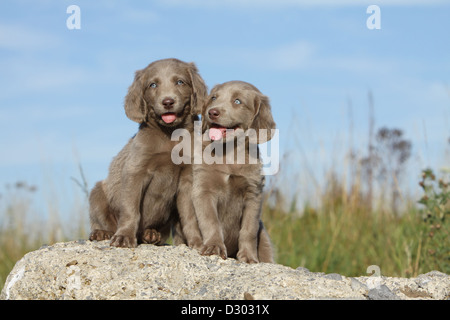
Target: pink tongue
169,117
216,133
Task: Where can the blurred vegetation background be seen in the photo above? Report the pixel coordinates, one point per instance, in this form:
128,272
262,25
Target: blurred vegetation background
359,216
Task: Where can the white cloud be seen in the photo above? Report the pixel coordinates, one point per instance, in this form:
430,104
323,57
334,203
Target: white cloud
36,113
34,76
139,15
17,37
293,55
359,65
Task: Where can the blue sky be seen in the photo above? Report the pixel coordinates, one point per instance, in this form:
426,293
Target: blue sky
62,91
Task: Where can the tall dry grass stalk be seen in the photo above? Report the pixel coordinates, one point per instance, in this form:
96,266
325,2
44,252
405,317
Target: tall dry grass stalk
350,230
26,225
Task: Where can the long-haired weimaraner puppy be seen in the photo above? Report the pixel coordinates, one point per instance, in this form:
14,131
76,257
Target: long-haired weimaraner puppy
136,202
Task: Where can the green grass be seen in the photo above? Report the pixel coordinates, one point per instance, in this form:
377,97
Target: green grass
345,236
345,242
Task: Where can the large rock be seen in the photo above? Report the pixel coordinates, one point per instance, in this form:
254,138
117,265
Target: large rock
94,270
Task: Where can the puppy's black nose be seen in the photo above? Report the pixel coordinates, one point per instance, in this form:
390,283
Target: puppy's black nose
213,114
168,103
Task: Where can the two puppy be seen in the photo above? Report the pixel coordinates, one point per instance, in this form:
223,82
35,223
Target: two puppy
214,208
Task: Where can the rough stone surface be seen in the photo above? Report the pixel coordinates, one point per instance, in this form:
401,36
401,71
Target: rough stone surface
94,270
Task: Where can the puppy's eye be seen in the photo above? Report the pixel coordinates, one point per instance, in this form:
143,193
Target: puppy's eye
213,98
180,82
153,85
237,101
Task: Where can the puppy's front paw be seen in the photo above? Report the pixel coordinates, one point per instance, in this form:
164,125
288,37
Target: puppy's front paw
247,257
151,236
123,241
99,235
198,245
215,248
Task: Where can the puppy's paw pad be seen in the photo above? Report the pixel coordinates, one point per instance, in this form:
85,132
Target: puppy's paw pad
247,258
99,235
215,249
198,245
151,236
122,241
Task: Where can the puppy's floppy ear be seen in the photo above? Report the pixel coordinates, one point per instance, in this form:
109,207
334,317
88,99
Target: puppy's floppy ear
202,110
263,118
135,108
199,90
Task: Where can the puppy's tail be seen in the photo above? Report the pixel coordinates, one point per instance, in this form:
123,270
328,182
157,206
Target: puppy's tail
265,251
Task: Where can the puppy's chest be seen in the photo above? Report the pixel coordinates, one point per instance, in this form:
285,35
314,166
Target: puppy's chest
236,181
160,160
163,172
157,155
236,185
